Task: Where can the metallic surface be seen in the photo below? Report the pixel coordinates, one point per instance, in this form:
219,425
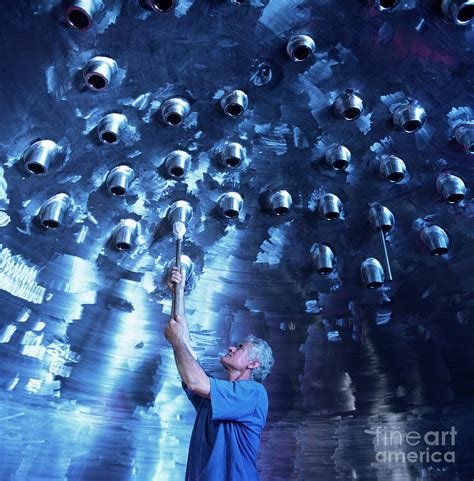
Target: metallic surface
110,128
39,156
80,13
234,103
300,48
174,111
89,389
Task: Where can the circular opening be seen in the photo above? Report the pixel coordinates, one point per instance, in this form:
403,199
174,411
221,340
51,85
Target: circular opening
332,215
163,5
471,149
302,52
466,13
174,119
340,164
374,285
78,19
109,137
387,4
439,251
123,246
96,81
234,110
386,228
411,126
177,172
396,176
455,198
36,168
351,113
231,213
232,162
50,223
325,270
281,210
117,190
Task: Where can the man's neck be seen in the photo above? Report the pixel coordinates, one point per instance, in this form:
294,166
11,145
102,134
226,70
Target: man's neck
239,375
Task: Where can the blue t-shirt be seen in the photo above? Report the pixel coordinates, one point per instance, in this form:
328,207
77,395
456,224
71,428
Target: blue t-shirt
227,430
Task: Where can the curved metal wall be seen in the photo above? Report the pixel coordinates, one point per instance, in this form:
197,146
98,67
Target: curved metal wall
373,106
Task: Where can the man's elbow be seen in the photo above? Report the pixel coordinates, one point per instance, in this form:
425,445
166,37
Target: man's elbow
202,387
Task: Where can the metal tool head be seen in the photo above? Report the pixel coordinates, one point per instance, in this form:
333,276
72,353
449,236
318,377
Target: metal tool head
381,218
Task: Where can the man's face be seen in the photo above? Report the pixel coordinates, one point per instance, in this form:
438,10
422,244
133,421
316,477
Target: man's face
237,356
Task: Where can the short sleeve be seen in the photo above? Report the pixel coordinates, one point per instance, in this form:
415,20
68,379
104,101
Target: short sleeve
233,400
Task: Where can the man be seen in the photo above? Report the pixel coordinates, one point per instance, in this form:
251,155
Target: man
230,414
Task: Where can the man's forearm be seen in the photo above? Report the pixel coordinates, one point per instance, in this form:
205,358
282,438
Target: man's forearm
189,369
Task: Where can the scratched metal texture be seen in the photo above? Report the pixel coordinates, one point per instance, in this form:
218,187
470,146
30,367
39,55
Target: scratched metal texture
90,390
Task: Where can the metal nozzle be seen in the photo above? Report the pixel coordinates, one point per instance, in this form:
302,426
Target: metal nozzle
300,48
51,213
111,127
118,180
38,156
338,157
349,106
234,103
80,13
174,111
323,258
280,202
386,5
461,12
162,6
231,204
180,211
98,72
451,188
464,134
372,273
409,117
392,168
330,206
232,155
177,163
435,239
124,234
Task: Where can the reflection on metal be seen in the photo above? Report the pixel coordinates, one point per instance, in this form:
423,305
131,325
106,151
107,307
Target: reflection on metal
460,12
180,211
125,234
338,157
300,48
51,213
464,134
435,239
280,202
187,265
80,13
231,204
451,188
330,206
382,220
232,155
323,258
386,5
110,128
98,72
162,6
372,273
349,106
38,156
234,103
118,180
392,168
175,110
177,163
409,117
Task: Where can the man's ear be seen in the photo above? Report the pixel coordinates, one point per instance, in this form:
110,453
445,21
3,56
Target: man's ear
254,364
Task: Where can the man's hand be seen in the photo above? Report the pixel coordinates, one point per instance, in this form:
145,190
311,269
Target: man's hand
176,278
175,332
